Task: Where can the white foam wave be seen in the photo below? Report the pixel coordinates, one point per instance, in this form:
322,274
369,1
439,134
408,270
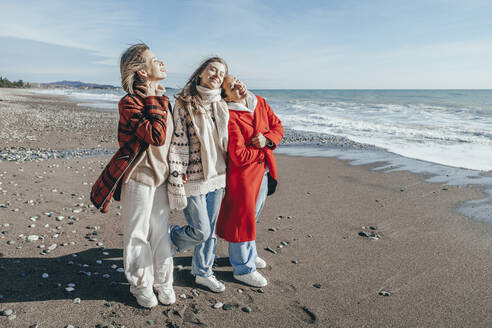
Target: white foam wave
89,95
457,137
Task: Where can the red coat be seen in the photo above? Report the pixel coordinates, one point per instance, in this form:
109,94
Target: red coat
245,170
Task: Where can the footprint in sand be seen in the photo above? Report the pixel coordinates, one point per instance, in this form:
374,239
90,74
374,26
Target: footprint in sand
284,286
303,313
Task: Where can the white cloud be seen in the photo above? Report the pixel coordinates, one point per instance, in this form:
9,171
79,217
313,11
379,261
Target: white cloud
317,44
83,25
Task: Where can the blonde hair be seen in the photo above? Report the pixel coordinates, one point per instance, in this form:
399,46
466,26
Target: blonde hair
131,62
190,94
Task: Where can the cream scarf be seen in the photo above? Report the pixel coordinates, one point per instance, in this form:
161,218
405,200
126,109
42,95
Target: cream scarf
251,102
210,97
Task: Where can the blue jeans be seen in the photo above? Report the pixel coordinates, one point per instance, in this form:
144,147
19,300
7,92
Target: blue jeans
243,255
201,215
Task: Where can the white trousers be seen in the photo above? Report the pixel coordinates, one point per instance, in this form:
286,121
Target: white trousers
147,257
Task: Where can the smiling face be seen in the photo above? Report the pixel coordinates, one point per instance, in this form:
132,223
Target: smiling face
213,75
234,89
154,70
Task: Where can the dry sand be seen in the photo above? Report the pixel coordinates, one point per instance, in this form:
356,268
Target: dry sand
433,263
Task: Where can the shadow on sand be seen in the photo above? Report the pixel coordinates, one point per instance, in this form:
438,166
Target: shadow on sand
22,278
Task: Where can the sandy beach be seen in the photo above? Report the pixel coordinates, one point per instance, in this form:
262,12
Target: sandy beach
346,246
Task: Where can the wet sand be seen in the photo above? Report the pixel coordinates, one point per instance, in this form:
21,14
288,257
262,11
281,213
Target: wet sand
432,263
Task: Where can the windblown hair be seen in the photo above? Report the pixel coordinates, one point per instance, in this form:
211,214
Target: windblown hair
190,94
131,62
223,90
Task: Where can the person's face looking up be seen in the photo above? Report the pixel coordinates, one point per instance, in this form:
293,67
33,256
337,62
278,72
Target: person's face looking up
235,90
213,75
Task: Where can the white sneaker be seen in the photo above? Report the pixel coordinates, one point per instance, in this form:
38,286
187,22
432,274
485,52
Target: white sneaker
211,283
254,279
166,295
260,263
146,298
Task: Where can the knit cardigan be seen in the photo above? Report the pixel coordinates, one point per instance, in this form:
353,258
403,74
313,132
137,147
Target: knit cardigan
188,150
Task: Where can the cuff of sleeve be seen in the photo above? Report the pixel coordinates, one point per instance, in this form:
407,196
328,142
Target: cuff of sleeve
178,203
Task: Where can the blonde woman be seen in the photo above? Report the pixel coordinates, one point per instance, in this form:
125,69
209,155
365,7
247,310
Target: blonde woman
141,167
198,167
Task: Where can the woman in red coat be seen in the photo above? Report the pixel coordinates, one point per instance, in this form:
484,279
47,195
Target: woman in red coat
254,131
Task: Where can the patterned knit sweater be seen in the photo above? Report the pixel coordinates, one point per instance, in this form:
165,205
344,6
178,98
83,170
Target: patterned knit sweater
198,147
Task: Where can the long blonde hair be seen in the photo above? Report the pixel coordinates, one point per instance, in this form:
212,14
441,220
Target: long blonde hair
190,94
131,62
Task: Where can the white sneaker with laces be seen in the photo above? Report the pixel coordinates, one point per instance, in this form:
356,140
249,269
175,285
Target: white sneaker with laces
166,295
254,279
146,298
211,283
260,263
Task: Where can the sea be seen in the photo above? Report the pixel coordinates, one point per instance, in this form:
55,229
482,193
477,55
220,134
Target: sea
446,134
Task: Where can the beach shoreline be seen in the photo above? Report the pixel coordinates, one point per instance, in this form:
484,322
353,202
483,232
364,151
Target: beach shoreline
344,236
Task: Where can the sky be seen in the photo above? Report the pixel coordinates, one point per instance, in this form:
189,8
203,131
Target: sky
364,44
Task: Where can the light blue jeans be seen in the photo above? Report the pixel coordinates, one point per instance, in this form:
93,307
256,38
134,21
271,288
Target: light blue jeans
201,215
243,255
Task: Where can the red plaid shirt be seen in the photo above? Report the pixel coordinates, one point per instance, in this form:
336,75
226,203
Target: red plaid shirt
142,122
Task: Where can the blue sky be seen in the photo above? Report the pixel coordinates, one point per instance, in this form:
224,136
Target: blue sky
268,44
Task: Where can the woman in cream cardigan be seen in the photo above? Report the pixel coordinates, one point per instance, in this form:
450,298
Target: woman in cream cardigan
198,167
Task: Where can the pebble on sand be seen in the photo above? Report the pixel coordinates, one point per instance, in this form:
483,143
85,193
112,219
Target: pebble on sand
32,238
246,309
7,312
228,306
218,305
370,234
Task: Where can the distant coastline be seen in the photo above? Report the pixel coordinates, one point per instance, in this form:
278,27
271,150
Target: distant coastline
4,82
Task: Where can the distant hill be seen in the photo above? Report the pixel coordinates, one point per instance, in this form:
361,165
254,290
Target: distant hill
81,85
